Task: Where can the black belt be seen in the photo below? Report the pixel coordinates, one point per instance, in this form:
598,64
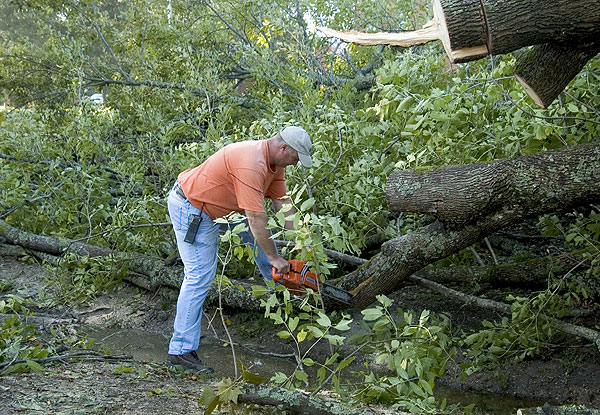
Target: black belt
179,191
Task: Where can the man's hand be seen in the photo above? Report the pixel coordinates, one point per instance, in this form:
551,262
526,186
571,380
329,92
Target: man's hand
281,264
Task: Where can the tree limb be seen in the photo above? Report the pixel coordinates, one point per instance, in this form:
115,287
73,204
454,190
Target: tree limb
148,272
567,328
296,402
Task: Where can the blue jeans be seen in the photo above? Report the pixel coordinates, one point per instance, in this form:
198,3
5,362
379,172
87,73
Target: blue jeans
199,268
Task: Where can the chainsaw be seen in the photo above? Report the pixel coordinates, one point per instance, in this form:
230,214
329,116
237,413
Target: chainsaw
300,278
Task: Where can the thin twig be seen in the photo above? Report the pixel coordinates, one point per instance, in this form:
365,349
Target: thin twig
15,207
87,355
487,242
477,256
585,104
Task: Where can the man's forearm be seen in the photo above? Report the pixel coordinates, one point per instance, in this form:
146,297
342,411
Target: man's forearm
278,205
258,226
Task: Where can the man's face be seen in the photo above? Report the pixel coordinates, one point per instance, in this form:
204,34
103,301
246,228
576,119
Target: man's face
288,156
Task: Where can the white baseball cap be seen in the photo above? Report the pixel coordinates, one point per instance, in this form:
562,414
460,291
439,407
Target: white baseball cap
299,140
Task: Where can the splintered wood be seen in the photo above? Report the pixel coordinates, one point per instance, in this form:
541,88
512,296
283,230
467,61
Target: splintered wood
428,33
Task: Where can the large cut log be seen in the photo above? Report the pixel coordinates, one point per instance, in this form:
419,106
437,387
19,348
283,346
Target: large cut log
545,70
457,195
462,28
512,24
149,273
468,209
470,29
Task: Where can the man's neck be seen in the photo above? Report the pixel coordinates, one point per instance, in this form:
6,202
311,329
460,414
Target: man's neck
271,152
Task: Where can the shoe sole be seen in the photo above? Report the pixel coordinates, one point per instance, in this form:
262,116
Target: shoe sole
200,371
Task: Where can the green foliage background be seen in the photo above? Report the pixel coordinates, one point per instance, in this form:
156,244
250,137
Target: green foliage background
171,100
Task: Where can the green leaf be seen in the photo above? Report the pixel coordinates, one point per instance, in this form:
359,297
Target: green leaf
307,204
370,314
308,361
228,391
323,320
315,331
344,363
122,369
385,301
259,290
35,366
331,359
284,334
293,323
343,325
301,336
279,378
253,378
300,375
381,324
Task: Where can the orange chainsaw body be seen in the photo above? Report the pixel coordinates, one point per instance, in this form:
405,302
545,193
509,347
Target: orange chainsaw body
298,279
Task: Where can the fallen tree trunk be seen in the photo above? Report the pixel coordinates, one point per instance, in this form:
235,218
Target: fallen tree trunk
456,195
559,410
501,308
531,273
147,272
470,29
545,70
475,201
296,402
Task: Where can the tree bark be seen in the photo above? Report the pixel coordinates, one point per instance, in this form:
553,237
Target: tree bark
470,207
532,273
559,410
457,195
471,29
296,402
147,272
512,24
545,70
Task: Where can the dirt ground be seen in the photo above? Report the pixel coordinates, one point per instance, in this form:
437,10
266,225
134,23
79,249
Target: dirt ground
130,322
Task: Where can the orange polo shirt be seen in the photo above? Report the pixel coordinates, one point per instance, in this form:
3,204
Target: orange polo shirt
236,178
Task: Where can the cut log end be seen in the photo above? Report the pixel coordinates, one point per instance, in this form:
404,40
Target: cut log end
531,92
545,70
469,48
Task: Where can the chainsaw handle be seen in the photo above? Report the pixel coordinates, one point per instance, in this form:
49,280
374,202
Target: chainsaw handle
276,275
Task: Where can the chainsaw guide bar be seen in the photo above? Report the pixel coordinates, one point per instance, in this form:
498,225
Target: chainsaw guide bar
300,278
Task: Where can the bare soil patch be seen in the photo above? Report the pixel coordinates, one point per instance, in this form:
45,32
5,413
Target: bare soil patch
138,324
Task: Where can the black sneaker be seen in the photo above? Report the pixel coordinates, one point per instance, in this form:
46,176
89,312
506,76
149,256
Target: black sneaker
188,361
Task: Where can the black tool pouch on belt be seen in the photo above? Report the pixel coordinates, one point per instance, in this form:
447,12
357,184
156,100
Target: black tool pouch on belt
190,236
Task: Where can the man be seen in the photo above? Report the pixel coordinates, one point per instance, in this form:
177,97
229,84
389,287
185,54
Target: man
236,178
